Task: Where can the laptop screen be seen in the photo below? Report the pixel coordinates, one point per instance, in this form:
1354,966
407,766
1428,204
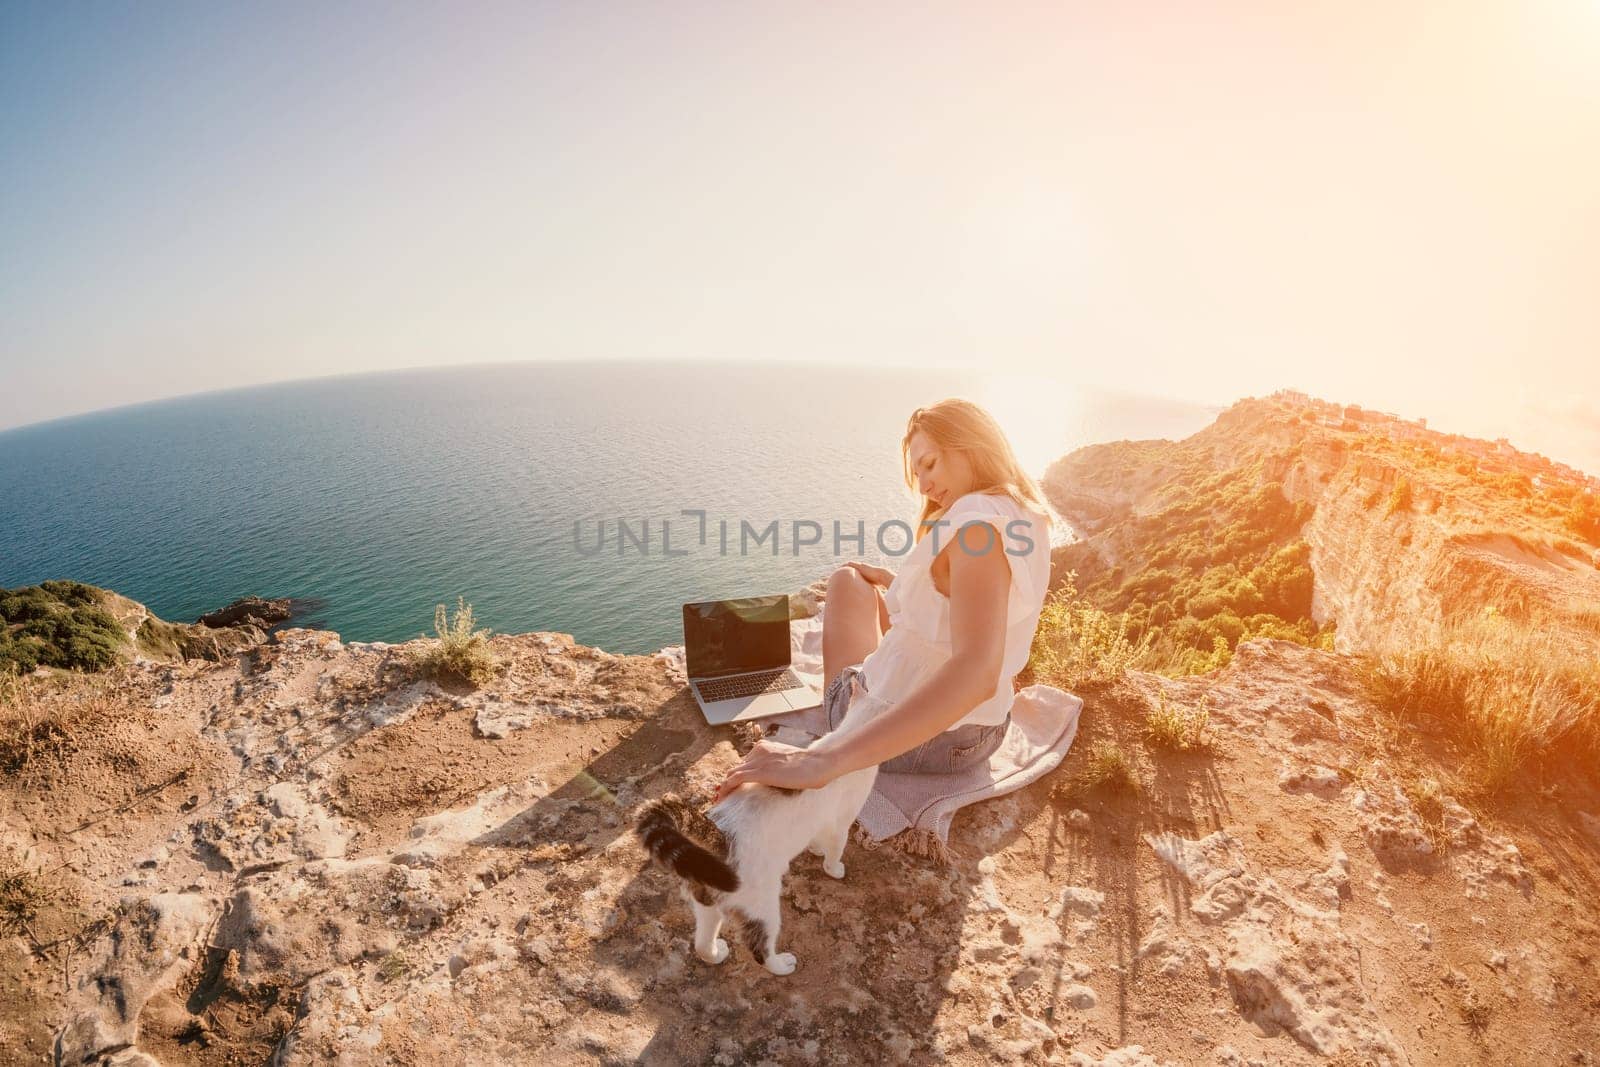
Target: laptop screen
732,636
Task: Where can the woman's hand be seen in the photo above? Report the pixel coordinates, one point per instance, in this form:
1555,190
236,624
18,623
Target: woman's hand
875,575
775,763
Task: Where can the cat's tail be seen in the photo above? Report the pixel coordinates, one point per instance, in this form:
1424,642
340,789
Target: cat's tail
686,842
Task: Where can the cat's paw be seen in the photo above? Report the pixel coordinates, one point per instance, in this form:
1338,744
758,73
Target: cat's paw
781,963
834,870
719,952
816,850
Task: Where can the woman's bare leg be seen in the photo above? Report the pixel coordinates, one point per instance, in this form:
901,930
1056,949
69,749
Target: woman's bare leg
850,622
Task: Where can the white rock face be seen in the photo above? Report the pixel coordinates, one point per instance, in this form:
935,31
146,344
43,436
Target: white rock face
1162,949
1081,902
1482,859
1288,964
1391,825
1369,577
278,825
156,940
1397,835
332,1015
1032,938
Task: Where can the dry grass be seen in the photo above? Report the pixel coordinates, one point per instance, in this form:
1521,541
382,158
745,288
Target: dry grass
22,894
1107,768
32,724
459,651
1180,729
1427,800
1400,496
1474,1012
1079,645
1358,772
1582,615
1514,696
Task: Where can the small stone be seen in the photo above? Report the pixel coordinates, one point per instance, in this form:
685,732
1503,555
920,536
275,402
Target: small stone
1312,779
1078,900
286,801
1080,996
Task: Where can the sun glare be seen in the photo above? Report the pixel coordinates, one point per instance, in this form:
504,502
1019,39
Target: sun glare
1036,412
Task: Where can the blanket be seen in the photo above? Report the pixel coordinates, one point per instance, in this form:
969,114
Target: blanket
913,812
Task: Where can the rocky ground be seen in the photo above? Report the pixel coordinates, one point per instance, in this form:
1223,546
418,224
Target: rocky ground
304,854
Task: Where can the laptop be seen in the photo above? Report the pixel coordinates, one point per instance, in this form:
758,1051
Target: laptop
737,657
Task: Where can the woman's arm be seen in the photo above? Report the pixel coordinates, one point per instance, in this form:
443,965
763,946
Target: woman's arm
980,587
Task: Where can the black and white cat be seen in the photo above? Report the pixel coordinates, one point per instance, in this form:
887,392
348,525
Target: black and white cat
732,857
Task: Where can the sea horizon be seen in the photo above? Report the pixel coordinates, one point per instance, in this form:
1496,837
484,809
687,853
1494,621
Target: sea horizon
366,499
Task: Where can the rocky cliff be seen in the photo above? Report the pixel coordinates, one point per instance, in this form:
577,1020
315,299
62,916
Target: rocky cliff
304,854
1408,530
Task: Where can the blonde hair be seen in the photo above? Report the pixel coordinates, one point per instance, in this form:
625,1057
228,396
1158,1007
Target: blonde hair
959,425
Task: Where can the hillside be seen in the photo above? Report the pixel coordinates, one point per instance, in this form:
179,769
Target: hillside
1401,530
1464,577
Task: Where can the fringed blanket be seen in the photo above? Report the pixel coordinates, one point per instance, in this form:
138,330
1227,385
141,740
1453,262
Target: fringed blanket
912,812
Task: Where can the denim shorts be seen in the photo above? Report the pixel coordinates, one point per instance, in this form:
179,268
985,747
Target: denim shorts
953,750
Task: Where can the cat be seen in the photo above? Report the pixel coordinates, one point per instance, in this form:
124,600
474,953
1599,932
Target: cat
731,859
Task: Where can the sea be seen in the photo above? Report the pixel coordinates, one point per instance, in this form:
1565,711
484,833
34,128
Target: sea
589,498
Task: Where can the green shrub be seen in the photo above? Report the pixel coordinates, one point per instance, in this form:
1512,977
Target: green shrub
21,657
1583,517
1220,558
394,966
1324,638
1285,581
76,594
57,624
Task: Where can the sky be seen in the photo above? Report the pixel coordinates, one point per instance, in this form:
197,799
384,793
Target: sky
1390,204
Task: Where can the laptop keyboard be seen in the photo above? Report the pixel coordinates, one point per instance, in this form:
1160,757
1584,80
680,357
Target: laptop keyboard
748,685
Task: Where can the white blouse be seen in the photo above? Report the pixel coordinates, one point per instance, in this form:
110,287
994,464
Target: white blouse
918,640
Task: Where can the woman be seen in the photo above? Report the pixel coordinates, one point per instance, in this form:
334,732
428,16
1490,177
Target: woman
937,645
